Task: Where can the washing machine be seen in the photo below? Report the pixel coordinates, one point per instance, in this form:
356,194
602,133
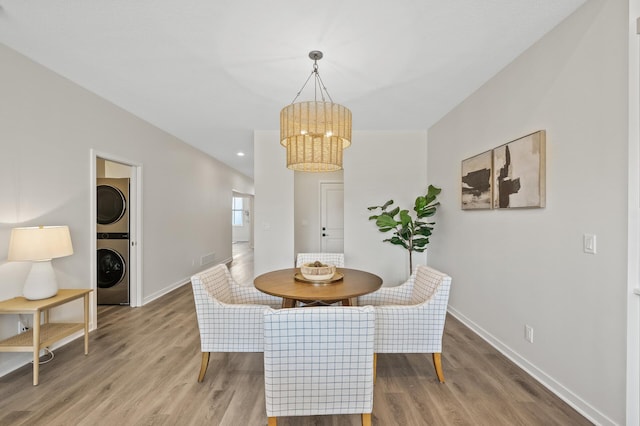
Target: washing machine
112,197
113,271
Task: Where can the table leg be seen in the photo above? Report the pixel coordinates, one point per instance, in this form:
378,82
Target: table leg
288,303
346,302
36,347
86,324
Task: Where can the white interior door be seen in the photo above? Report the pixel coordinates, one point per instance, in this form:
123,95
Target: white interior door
332,217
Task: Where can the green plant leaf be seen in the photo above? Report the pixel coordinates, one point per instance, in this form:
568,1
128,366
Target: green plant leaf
405,219
405,233
394,212
426,231
386,221
433,191
387,204
398,241
419,223
420,242
382,207
429,211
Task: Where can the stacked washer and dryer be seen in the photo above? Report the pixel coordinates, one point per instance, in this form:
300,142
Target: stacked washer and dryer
112,195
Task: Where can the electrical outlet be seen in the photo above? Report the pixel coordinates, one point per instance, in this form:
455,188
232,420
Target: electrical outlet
528,333
22,327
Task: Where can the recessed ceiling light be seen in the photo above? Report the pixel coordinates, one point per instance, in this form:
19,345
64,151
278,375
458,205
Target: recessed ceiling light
240,154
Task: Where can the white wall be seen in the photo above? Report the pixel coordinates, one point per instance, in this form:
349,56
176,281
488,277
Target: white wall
273,204
381,166
517,267
48,125
377,166
307,206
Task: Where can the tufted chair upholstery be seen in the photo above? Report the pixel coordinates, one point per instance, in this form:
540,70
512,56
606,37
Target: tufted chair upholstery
410,317
336,259
229,315
319,361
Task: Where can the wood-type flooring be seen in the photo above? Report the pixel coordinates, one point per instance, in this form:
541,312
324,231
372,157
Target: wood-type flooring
143,365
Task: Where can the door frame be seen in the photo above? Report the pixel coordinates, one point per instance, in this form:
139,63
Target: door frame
250,198
633,222
135,229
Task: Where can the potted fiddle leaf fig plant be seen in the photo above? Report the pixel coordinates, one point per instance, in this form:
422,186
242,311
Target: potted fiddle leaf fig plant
411,230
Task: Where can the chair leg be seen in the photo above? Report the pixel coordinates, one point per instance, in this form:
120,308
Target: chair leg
203,366
437,363
375,368
273,421
366,419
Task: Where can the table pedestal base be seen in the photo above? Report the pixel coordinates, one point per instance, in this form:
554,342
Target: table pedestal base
291,303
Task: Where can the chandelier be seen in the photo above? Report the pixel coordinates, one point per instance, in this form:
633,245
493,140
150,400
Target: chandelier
315,132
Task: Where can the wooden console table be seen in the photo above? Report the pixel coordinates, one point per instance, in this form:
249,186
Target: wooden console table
43,335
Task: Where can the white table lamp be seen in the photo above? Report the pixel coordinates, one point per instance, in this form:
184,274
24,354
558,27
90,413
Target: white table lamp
39,245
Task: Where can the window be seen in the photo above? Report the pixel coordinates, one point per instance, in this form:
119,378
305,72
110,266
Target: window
236,211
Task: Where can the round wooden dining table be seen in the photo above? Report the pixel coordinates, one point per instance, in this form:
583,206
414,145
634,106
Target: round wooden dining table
282,283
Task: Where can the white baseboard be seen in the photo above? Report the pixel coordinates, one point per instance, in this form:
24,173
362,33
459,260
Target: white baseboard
158,294
580,405
177,284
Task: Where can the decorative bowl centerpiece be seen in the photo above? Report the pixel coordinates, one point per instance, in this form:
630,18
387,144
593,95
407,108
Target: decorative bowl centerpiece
317,271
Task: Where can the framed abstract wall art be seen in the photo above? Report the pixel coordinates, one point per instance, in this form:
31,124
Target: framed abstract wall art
519,172
476,182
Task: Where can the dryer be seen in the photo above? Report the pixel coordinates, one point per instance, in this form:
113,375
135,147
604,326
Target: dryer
112,197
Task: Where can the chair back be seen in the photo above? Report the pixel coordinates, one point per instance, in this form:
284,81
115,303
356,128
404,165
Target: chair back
226,325
213,284
336,259
319,360
427,283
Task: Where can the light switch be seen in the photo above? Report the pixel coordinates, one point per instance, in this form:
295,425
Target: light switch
589,243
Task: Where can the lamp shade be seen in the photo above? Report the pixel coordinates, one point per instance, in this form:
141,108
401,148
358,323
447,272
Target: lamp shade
39,243
315,133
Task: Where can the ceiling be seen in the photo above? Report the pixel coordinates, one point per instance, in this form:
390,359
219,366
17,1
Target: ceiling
211,72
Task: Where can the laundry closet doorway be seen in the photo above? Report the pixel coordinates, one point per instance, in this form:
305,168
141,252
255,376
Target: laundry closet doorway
112,169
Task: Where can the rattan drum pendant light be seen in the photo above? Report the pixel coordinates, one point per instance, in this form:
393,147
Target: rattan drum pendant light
315,132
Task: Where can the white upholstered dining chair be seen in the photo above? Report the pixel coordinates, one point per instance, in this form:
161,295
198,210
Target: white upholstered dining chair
336,259
229,315
319,361
410,317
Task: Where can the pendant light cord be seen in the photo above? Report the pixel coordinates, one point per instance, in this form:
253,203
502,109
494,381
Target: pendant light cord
318,83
